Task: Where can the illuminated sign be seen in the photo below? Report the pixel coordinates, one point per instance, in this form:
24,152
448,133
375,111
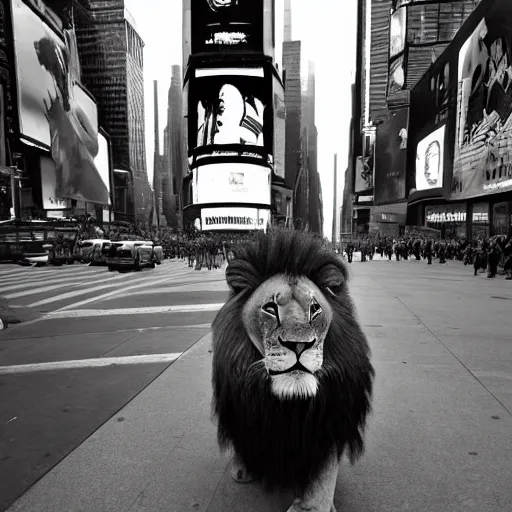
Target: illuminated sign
231,183
228,219
227,25
429,161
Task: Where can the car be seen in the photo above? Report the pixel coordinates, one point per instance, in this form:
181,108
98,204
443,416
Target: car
131,255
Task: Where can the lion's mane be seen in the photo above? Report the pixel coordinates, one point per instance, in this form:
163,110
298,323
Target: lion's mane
285,443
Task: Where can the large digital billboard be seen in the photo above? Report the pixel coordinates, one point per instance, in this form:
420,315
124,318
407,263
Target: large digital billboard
391,158
228,107
54,109
430,161
397,32
483,142
231,183
226,25
231,219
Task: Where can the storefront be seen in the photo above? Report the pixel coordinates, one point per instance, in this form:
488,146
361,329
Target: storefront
450,219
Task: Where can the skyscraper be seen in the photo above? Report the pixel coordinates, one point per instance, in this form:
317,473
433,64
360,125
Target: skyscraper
111,55
175,166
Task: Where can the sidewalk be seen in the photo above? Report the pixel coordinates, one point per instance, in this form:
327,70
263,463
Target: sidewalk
439,437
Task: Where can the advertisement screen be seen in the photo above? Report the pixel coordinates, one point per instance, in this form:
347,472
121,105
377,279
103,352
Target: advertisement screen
391,158
231,183
226,110
279,129
218,219
54,109
430,161
365,166
51,200
227,25
102,162
396,79
397,33
483,146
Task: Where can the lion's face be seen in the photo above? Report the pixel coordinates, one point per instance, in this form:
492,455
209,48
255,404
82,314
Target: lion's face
287,319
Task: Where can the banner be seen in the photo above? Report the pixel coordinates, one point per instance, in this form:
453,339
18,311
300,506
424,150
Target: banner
391,158
231,183
430,161
227,25
483,145
102,162
54,109
230,219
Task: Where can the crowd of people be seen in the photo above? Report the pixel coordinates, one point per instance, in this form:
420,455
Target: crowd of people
492,255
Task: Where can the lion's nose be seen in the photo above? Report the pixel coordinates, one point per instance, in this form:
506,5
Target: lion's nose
297,347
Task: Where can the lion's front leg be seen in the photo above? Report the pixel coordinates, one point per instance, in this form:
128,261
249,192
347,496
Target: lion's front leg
319,496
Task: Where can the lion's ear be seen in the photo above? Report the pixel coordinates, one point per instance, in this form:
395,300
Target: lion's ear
332,278
241,276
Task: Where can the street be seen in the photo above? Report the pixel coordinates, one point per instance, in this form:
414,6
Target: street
108,336
106,399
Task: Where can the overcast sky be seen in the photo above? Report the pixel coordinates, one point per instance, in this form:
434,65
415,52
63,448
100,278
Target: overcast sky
327,29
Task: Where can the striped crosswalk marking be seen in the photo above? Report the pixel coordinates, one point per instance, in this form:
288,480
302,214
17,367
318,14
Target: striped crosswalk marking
89,363
84,313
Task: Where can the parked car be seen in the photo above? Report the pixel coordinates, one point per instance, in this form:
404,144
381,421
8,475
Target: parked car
131,255
94,251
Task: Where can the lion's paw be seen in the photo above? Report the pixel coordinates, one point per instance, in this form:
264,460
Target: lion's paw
240,474
297,507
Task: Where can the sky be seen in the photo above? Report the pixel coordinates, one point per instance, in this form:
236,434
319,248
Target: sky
327,29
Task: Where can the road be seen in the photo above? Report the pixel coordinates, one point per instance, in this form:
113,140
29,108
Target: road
438,440
102,338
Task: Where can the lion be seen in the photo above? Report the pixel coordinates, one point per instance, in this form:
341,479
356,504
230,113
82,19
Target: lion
292,377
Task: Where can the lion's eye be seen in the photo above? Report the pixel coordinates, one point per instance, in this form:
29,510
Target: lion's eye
314,310
335,289
271,309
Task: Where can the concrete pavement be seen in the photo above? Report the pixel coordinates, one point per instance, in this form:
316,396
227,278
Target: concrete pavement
439,438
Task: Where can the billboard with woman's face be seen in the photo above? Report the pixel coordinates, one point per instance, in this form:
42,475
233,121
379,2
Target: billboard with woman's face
430,161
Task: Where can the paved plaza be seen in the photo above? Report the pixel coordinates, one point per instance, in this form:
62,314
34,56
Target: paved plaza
439,437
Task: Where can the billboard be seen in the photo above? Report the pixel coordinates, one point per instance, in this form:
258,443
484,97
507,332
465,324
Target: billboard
229,107
391,158
397,32
230,219
51,199
226,25
396,78
54,109
279,129
231,183
365,166
483,143
430,161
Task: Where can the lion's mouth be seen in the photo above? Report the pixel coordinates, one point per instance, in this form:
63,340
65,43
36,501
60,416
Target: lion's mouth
297,367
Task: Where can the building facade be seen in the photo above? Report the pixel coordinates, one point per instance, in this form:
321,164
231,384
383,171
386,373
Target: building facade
52,141
111,52
174,162
233,92
398,41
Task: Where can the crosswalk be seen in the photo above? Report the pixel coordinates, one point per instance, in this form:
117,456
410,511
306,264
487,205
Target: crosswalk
57,292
